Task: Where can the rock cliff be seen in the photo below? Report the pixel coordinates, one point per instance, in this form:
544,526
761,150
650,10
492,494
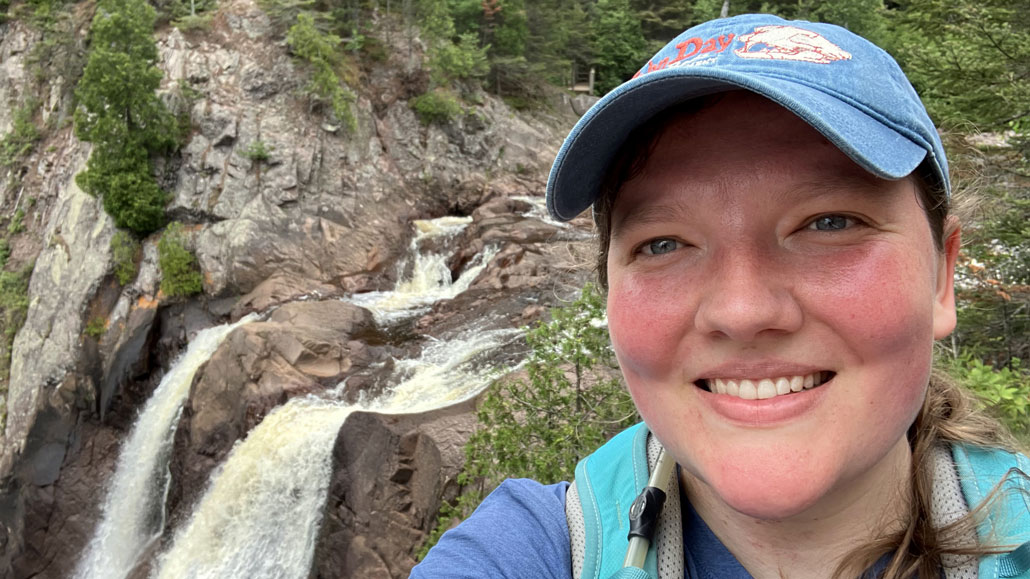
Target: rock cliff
327,214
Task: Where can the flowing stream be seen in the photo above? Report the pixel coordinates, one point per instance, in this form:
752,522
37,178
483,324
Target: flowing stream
430,278
133,514
261,513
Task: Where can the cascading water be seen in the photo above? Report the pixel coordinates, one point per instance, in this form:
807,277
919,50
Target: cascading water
430,279
133,514
261,515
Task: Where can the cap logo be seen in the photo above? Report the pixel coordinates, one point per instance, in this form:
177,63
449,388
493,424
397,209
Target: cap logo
789,43
688,49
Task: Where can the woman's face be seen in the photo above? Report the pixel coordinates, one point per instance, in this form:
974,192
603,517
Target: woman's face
750,259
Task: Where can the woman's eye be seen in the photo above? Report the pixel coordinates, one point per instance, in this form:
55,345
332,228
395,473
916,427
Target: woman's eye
831,223
659,246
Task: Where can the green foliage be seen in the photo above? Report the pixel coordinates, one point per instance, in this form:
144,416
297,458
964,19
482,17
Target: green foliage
130,194
96,327
319,50
570,402
122,116
619,44
970,59
258,152
192,22
1003,391
14,305
5,251
19,142
124,249
180,274
436,106
17,223
459,61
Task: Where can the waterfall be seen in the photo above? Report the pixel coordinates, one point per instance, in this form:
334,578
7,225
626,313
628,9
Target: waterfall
430,278
261,514
134,511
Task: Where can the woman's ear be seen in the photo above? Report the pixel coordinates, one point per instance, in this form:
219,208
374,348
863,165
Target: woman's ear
944,316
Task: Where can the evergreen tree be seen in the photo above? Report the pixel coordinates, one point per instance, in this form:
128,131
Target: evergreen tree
620,48
122,116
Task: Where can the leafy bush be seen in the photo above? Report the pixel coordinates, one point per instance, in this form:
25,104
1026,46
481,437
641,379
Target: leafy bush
124,248
180,274
96,327
5,252
14,305
257,151
1003,391
571,402
18,143
17,223
437,106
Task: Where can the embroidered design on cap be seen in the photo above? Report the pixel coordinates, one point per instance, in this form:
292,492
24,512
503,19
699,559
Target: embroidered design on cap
789,43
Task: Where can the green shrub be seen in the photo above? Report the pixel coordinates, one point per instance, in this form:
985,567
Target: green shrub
17,223
1003,391
571,402
124,249
258,152
5,251
437,106
14,305
96,327
191,22
180,274
18,143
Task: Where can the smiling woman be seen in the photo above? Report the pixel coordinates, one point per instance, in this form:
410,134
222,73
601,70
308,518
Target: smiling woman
779,260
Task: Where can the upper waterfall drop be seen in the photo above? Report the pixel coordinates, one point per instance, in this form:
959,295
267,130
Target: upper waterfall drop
133,513
430,278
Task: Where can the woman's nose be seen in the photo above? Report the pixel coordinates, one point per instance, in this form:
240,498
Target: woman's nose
746,297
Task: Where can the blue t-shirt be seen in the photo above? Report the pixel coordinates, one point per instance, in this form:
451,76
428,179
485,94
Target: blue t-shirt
520,531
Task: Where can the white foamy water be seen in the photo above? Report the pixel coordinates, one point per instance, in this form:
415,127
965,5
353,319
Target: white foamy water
261,515
133,514
430,278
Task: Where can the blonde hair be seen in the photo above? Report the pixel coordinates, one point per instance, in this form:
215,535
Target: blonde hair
950,414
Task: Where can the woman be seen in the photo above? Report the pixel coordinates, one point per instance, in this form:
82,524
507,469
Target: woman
772,202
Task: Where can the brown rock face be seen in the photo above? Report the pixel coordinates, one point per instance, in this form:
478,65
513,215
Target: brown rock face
390,472
303,347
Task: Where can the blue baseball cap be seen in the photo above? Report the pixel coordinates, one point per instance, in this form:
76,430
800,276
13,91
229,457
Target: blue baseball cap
841,84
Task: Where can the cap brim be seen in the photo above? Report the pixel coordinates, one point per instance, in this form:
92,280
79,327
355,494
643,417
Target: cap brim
592,144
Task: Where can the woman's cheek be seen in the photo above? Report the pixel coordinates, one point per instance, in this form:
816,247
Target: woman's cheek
643,328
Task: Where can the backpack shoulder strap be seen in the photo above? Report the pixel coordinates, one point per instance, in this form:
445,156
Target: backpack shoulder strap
597,509
1007,521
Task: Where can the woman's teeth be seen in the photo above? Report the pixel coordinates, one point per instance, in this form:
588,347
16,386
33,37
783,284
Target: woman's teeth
767,387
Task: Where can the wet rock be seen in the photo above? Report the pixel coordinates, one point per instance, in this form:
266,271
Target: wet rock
280,289
304,347
389,474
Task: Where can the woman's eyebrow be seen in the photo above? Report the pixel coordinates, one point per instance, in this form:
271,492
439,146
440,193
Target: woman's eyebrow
647,214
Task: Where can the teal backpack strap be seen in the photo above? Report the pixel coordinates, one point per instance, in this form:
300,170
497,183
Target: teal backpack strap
1007,521
607,482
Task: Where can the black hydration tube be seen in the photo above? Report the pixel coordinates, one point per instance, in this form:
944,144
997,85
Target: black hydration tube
644,513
